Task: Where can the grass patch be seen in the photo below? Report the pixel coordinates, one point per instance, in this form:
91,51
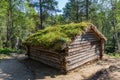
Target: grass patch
56,37
5,52
2,56
114,55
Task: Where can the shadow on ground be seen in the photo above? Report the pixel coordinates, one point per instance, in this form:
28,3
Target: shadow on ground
12,69
22,68
106,74
40,70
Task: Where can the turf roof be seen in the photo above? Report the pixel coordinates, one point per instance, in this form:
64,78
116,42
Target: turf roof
56,37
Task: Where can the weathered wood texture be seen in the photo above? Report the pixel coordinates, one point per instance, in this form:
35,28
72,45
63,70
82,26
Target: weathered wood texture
83,49
47,57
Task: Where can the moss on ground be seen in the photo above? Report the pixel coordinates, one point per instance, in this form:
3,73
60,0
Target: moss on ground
56,37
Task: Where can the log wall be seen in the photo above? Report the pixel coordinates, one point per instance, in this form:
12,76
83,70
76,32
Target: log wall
83,49
50,58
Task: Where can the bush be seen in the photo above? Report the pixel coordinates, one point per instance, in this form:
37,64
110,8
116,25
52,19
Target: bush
109,49
7,51
114,55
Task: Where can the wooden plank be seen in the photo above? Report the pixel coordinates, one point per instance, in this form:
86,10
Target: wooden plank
47,58
80,63
76,53
52,64
80,54
79,50
79,45
89,35
54,58
44,53
40,49
85,38
82,41
82,48
81,58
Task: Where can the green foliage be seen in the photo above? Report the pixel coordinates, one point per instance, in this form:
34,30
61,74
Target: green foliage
16,21
5,52
109,49
114,55
48,7
8,51
20,18
56,37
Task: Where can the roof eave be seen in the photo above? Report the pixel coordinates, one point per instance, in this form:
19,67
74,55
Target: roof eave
94,28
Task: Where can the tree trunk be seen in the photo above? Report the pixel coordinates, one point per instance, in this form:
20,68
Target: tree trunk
116,33
0,40
9,25
114,22
87,2
41,21
77,11
8,30
117,39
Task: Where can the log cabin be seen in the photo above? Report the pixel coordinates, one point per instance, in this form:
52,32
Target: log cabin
66,47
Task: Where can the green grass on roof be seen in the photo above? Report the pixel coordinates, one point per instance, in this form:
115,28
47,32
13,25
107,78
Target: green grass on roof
56,37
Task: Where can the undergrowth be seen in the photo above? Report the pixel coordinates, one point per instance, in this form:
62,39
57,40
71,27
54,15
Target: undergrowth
114,55
5,52
8,51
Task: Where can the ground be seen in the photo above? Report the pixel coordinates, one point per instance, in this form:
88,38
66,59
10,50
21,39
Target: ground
19,67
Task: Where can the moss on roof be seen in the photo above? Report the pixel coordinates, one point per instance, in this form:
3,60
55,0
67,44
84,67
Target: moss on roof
56,37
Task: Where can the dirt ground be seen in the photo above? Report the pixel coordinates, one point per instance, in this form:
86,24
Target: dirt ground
22,68
12,69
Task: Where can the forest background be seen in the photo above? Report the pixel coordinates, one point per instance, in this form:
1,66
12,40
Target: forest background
21,18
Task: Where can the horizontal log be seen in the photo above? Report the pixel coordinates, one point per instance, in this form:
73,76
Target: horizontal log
82,47
85,39
90,39
81,58
80,63
89,35
45,50
43,53
82,51
80,54
52,64
77,51
82,41
92,33
47,58
79,45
